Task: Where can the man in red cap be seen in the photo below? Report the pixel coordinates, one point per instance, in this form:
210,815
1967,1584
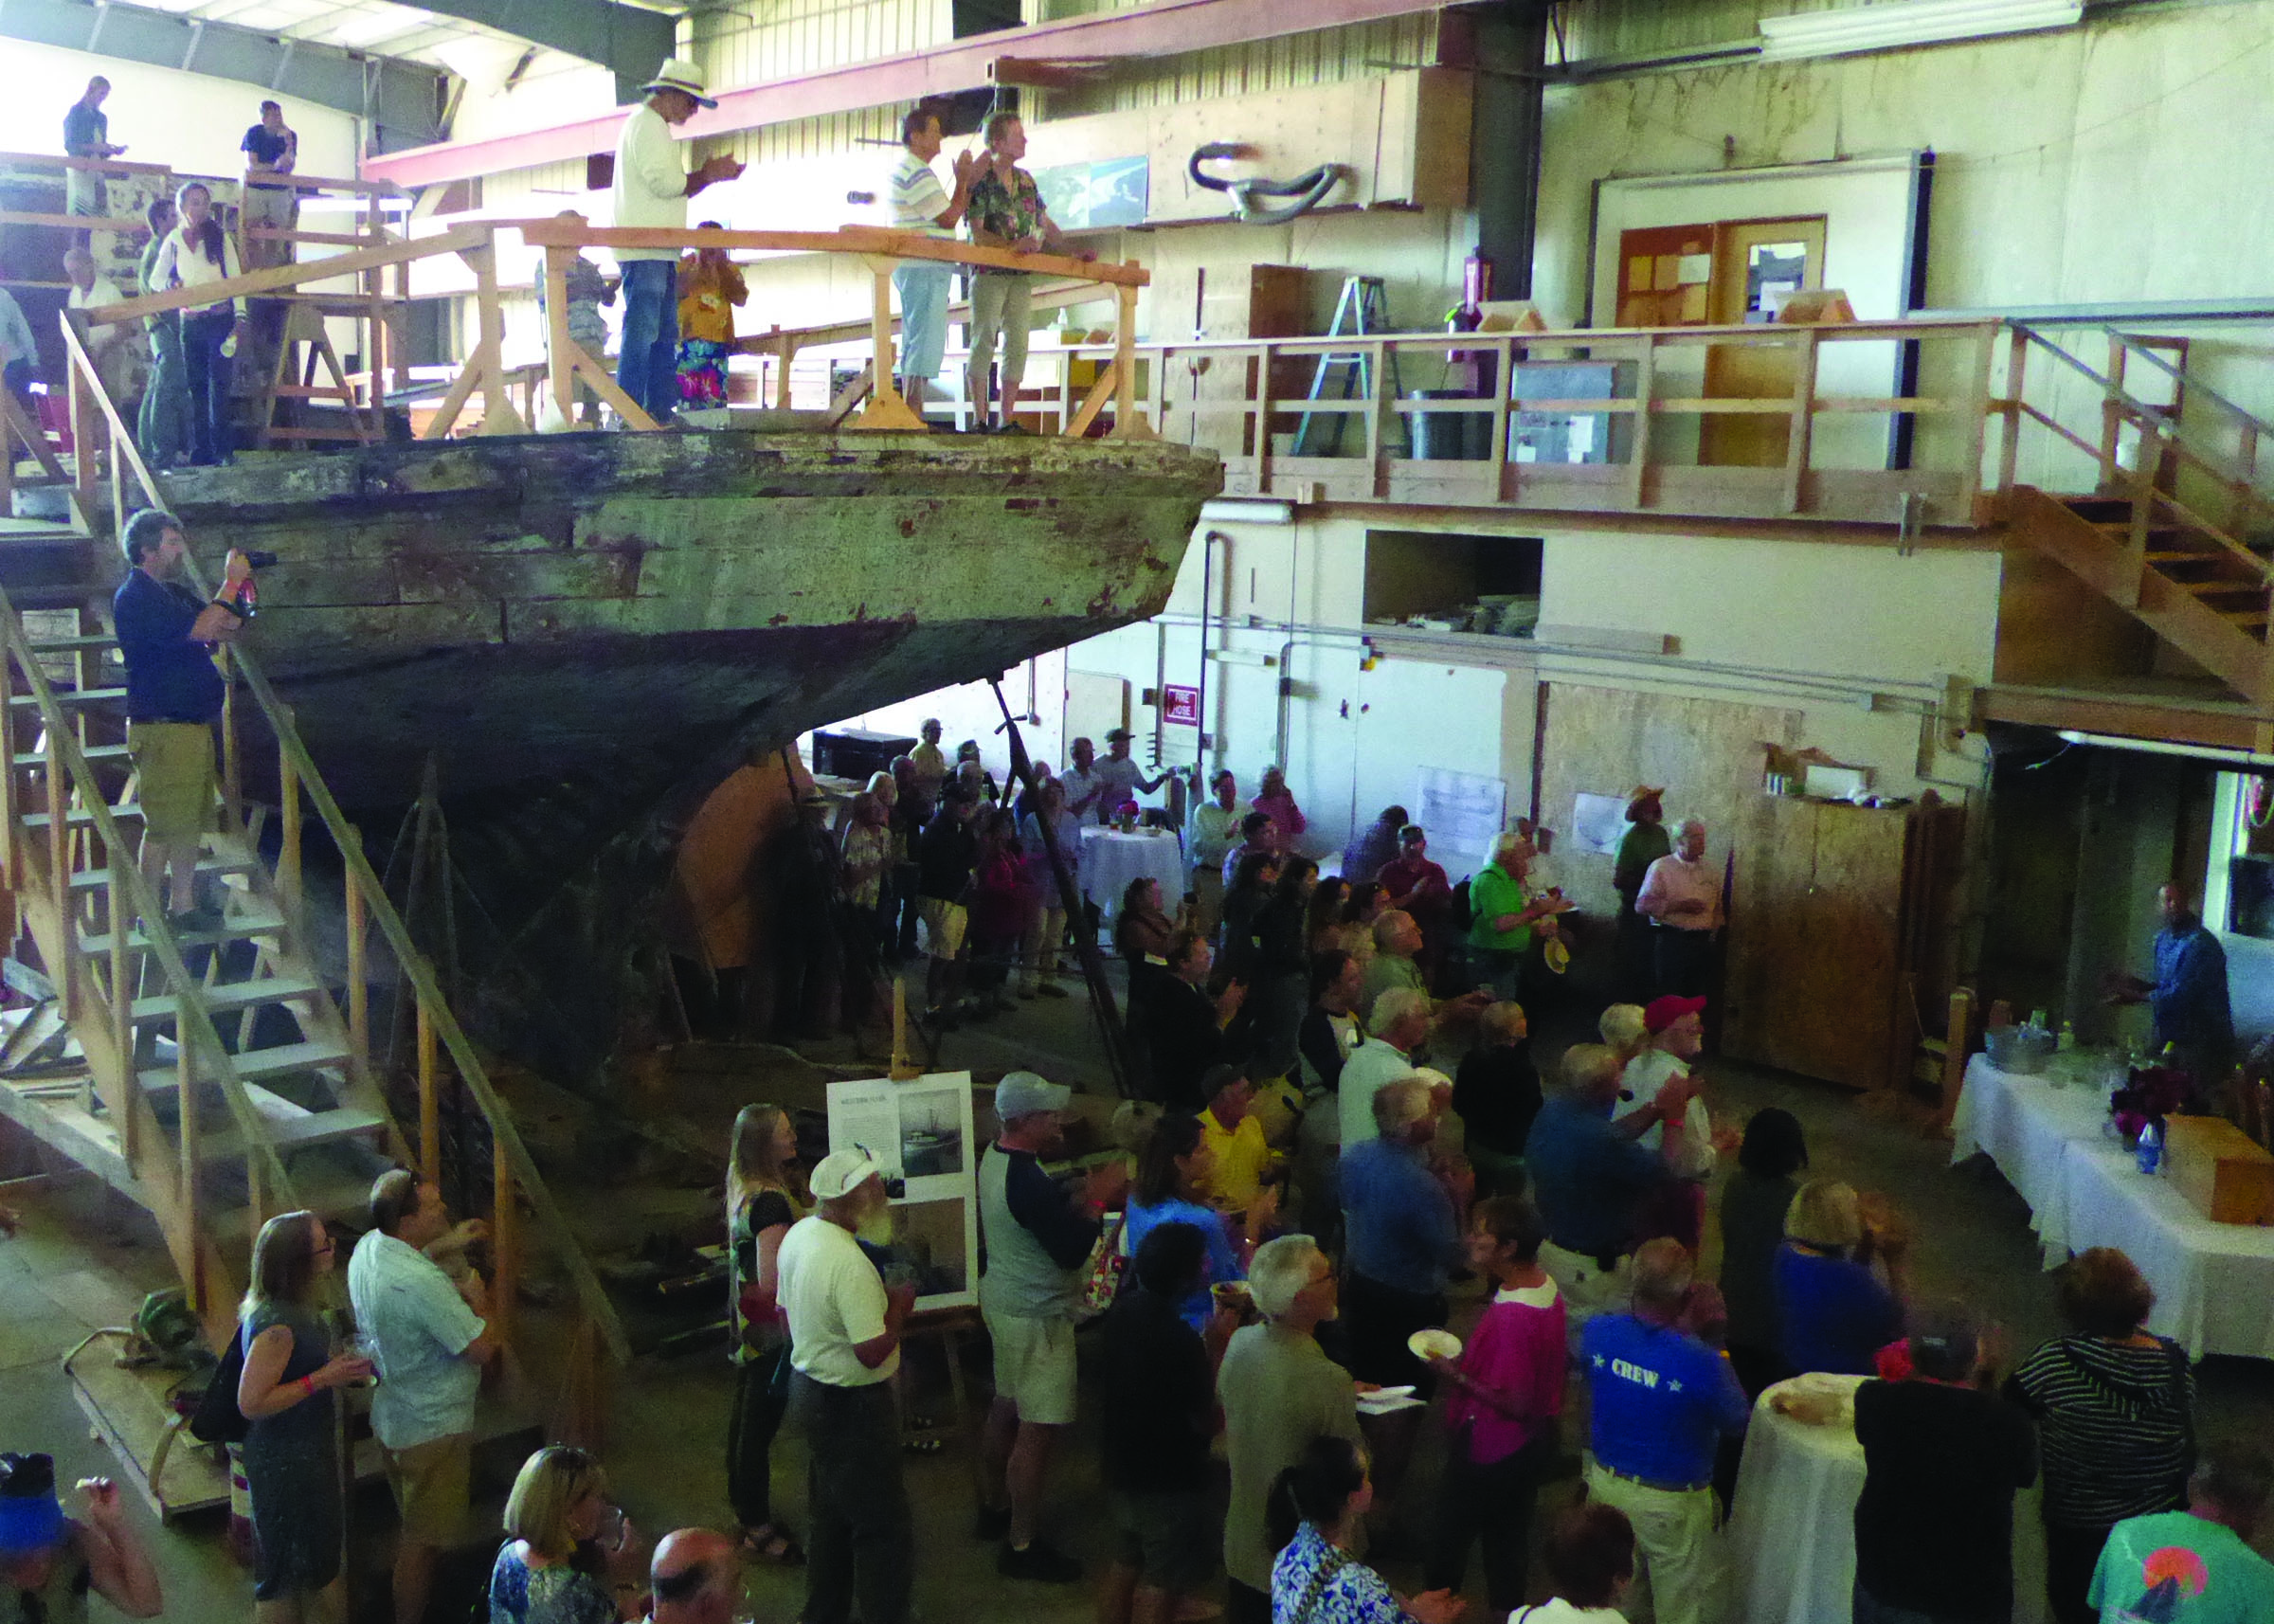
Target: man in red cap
1685,1137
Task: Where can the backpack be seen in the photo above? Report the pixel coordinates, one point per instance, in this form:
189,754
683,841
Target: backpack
217,1420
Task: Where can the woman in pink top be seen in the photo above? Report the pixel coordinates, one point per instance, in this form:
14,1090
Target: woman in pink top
1277,800
1503,1394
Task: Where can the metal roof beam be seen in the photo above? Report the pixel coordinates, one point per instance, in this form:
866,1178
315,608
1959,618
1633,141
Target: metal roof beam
401,100
628,40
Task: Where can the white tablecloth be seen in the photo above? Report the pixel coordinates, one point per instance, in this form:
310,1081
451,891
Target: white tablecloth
1792,1532
2214,1282
1112,859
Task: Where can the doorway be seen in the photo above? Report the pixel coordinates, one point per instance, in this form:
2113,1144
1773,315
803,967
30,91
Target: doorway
1758,264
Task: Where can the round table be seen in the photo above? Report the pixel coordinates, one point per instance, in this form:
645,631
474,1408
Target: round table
1793,1531
1112,859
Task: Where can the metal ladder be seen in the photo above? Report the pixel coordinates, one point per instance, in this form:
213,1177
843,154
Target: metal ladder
1363,311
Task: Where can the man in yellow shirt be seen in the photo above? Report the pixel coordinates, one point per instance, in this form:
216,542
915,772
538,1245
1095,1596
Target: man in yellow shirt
1239,1156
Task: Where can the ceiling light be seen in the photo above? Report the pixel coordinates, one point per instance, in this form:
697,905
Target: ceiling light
1896,23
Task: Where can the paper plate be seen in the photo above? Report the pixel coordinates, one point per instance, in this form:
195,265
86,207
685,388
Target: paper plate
1434,1343
1555,956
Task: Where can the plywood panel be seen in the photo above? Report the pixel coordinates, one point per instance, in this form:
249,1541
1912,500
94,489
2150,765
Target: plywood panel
1708,754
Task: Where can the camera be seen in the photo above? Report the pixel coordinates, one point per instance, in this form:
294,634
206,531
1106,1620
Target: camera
895,1188
257,558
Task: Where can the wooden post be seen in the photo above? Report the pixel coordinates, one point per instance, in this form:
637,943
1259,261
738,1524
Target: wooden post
83,453
498,414
557,261
2143,514
1977,402
1639,474
2245,487
2112,412
1797,436
2009,452
1955,1048
10,876
885,408
430,1110
1127,423
123,1004
185,1102
58,865
785,352
288,856
505,1242
359,980
232,775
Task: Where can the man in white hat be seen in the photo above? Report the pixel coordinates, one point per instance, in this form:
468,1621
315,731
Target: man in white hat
651,191
1037,1240
844,1345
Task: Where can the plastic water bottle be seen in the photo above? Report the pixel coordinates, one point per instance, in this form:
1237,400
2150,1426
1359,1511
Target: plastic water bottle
2150,1152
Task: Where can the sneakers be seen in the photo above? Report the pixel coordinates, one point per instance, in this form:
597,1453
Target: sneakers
1051,989
202,918
1040,1563
992,1522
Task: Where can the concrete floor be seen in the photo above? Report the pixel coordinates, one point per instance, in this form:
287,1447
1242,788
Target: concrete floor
84,1257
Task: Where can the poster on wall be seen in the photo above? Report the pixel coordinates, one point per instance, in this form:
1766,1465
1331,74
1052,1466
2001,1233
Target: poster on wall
1088,197
1463,813
1598,823
919,1132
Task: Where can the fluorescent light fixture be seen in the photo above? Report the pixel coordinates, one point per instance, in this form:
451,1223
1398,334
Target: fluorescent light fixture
1233,510
2167,746
1893,24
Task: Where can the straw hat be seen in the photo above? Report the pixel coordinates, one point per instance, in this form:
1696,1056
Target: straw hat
680,74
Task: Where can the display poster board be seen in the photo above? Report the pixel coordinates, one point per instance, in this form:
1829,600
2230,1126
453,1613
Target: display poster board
1462,812
920,1132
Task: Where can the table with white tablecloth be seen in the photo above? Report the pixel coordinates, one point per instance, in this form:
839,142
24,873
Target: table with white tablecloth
1112,859
1792,1533
2214,1282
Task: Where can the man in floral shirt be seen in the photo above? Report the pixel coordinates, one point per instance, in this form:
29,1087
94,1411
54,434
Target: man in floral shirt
1006,213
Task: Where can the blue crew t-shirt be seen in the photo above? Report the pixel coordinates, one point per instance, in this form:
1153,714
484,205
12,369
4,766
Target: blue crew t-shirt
1662,1400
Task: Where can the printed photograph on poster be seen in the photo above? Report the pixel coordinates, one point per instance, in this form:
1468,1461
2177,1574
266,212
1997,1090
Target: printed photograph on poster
1598,823
919,1132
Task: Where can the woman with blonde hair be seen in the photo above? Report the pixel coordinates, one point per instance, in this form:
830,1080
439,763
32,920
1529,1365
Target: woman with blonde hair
761,1207
1833,1312
291,1451
554,1566
1624,1030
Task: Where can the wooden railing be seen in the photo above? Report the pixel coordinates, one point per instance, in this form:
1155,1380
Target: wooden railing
103,440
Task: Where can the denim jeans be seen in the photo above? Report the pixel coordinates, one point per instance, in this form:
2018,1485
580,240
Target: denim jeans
203,333
862,1543
648,368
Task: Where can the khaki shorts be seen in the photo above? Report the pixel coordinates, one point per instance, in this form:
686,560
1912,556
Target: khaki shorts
173,767
432,1484
1034,1366
943,927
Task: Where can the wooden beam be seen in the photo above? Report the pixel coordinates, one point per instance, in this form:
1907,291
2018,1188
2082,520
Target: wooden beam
277,278
872,239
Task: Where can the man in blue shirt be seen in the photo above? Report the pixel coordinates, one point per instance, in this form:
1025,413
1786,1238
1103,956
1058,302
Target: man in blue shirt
2188,998
1590,1178
1662,1400
1401,1238
173,695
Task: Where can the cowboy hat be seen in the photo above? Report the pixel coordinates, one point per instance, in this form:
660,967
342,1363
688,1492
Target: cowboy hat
681,75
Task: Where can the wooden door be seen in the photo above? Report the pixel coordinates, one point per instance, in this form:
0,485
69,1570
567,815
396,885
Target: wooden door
1768,930
1844,1017
1756,265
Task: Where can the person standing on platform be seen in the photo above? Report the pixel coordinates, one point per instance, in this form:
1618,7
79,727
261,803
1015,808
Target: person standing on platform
650,193
87,135
1279,1390
162,431
1662,1400
1212,832
1942,1458
198,253
270,149
1120,779
1007,211
431,1337
845,1327
2188,998
1681,895
1037,1239
2194,1566
107,345
710,287
921,206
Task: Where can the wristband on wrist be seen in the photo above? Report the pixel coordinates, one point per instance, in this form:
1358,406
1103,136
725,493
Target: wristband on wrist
308,1385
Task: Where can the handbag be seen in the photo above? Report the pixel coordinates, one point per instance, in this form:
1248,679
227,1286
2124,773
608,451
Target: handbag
1108,1266
217,1420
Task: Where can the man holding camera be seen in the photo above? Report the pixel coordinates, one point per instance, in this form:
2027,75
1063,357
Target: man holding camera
173,695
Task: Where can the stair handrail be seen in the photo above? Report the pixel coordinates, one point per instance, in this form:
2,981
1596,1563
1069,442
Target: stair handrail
2194,386
194,1027
298,763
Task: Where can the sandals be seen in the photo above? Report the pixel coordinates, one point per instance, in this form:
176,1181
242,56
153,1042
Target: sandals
768,1543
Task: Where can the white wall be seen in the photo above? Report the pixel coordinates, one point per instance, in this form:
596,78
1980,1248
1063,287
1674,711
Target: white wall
162,116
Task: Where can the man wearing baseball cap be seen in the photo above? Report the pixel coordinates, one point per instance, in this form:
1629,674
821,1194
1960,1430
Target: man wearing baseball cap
49,1561
1122,779
651,191
1037,1241
1675,1030
844,1345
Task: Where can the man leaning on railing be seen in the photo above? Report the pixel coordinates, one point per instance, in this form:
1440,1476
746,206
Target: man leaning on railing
174,694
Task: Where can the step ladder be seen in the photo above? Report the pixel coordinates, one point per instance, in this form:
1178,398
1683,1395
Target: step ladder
217,1081
294,378
1362,311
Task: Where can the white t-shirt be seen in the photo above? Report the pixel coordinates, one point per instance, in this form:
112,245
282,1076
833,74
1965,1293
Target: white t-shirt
1121,779
834,1300
1372,1067
651,181
918,198
1079,783
1561,1611
420,1328
1648,1073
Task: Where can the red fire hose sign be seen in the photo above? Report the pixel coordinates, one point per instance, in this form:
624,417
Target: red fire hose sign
1182,705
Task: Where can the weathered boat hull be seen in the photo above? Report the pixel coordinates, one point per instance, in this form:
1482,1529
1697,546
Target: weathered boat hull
588,632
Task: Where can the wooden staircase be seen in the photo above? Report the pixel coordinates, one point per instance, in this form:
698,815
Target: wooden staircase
209,1074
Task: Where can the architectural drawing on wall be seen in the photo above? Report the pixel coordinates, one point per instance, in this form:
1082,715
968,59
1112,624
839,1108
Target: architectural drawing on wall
1598,823
920,1132
1087,197
1463,813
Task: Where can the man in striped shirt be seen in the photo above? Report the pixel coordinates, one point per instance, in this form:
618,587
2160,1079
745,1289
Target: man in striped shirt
922,206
